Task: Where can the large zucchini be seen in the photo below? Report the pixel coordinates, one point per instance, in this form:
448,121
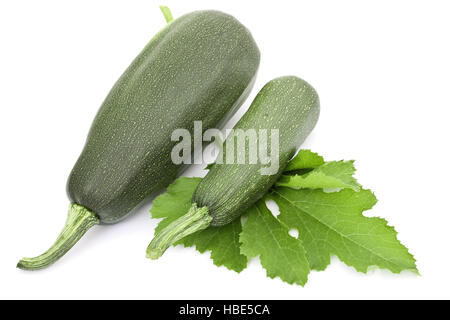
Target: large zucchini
199,67
288,104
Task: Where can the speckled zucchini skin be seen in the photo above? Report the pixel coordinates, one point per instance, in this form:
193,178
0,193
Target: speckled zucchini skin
199,67
288,104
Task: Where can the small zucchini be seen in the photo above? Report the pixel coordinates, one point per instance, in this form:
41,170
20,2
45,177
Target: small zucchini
200,67
288,104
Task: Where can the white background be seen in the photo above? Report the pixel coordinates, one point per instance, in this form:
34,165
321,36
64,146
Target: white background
382,71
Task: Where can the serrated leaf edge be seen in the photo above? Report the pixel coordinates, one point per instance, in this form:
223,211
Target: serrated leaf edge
368,267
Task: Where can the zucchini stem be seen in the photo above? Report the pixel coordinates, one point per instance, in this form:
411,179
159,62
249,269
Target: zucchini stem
167,14
194,220
78,222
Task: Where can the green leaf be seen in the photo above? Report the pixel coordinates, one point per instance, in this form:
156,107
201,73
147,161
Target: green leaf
305,159
333,224
331,175
223,242
328,224
280,254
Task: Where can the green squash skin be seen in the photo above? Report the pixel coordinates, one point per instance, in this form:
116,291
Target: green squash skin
229,190
199,67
